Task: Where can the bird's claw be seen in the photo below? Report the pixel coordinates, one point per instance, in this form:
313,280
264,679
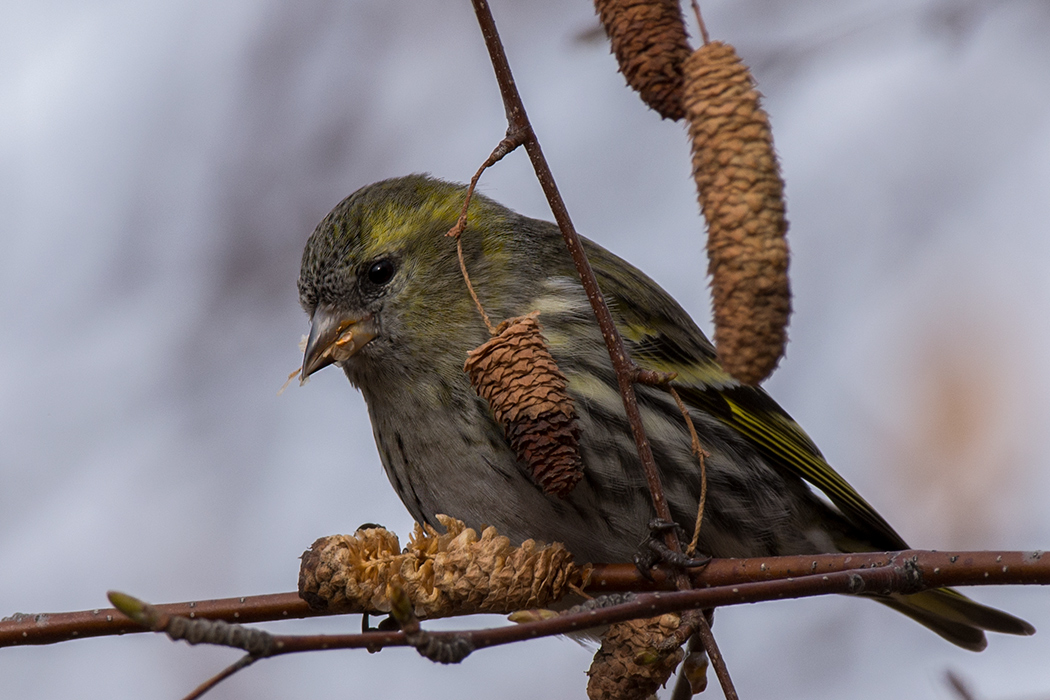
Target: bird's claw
654,550
644,561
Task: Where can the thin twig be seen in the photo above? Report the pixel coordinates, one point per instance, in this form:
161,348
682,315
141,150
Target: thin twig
509,143
625,369
512,140
703,629
241,663
701,456
700,21
470,287
961,687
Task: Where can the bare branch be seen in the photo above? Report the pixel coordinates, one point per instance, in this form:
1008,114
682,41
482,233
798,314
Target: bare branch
518,123
937,569
902,574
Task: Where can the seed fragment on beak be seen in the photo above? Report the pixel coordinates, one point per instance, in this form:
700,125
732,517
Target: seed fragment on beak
335,337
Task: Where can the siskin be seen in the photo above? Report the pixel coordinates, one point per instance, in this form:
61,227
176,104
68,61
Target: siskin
387,303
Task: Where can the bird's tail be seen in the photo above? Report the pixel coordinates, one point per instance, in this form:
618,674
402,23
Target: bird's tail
955,617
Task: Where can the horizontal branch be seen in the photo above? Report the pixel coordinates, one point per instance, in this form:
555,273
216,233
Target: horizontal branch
902,574
50,628
884,579
937,569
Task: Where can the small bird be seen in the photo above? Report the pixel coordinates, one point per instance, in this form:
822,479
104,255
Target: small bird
387,302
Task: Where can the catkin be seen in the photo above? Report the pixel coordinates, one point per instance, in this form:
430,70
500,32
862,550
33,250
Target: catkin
515,373
633,661
741,195
458,572
649,40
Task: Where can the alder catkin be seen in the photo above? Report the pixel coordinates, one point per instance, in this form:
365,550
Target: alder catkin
633,661
451,573
742,198
649,40
515,373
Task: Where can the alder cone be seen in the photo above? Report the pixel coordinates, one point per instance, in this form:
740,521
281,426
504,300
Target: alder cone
649,40
442,574
515,373
633,661
742,198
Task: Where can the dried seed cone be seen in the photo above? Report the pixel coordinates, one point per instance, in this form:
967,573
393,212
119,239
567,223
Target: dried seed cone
442,574
742,197
650,43
630,665
515,373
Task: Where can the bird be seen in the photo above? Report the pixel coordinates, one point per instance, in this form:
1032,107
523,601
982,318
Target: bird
388,303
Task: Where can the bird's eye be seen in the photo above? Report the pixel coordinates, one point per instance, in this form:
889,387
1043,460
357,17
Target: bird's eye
380,272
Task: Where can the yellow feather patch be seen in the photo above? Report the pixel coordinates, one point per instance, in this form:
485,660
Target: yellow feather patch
391,225
779,439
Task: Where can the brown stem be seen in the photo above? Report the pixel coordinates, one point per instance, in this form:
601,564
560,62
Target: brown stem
898,576
703,630
518,122
901,575
508,144
701,456
241,663
938,569
700,21
961,687
625,369
466,280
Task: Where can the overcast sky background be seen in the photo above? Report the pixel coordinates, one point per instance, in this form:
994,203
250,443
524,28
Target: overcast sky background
162,163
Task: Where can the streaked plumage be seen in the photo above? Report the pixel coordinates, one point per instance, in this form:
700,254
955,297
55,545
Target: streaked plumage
380,265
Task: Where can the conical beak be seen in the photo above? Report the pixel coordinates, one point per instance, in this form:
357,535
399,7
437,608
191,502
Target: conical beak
335,336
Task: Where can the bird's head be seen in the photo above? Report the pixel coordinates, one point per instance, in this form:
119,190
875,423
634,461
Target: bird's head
381,282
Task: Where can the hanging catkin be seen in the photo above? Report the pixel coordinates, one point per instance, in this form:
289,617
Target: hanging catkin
649,40
515,373
741,195
634,659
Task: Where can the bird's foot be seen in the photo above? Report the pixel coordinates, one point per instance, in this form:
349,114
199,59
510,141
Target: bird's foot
653,550
387,624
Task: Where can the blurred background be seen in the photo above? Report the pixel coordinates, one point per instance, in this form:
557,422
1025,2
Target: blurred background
162,163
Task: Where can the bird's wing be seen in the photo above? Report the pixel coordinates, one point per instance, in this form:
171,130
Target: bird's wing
660,336
754,415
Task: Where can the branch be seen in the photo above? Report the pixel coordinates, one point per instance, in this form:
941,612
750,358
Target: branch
937,569
626,370
904,572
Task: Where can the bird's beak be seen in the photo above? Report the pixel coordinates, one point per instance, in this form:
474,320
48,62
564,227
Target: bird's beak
335,336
